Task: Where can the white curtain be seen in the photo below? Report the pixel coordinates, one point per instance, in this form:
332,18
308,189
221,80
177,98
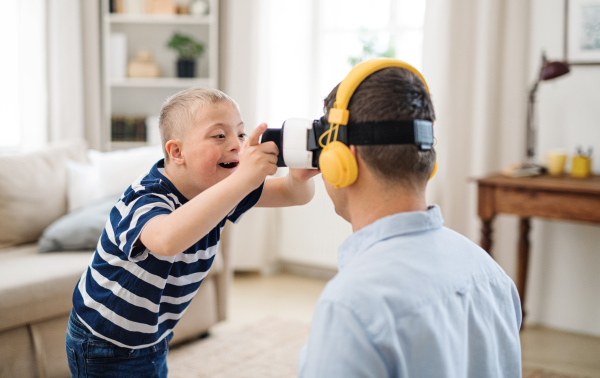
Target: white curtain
65,66
251,242
476,64
73,70
91,73
50,72
23,75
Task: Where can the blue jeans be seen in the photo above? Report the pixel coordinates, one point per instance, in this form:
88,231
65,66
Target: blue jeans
91,356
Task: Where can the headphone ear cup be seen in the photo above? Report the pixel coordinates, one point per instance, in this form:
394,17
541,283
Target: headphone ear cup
338,165
435,168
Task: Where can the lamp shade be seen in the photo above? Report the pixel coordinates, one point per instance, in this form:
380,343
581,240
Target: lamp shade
551,70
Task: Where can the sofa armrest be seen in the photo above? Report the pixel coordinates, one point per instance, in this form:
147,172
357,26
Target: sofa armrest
41,291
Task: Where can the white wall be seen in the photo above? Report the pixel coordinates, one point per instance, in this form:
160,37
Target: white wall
311,234
564,275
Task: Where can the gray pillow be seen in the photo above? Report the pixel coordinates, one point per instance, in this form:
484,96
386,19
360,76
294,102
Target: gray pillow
78,230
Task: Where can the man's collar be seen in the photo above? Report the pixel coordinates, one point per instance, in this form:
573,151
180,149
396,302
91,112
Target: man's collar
385,228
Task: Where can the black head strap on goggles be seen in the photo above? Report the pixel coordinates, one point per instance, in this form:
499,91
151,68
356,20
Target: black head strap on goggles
418,132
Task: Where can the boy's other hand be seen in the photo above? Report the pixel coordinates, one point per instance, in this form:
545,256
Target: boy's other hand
257,160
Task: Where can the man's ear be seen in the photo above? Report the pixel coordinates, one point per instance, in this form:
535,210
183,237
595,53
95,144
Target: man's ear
173,148
354,152
359,161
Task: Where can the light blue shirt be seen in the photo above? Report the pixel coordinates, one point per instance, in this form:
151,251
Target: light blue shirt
414,299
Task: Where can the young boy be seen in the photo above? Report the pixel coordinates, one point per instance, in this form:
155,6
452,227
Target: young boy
162,235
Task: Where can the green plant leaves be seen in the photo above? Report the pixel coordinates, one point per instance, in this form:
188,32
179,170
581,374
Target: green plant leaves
186,46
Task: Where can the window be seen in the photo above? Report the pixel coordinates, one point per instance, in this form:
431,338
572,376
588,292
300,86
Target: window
309,45
22,74
350,31
10,134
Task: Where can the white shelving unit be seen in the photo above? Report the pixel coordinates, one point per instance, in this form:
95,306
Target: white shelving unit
139,97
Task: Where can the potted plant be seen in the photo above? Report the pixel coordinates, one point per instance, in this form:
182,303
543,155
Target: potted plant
188,50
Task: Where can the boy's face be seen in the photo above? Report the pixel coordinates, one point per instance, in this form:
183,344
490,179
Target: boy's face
212,144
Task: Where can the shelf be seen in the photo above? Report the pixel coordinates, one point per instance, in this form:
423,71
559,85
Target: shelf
161,82
158,19
114,145
137,97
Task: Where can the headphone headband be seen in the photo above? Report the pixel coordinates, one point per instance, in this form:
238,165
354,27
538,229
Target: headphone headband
336,162
339,114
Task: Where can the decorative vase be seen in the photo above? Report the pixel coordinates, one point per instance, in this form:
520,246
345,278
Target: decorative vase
143,65
186,68
199,7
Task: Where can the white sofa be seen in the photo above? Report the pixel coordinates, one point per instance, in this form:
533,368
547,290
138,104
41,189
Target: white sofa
36,191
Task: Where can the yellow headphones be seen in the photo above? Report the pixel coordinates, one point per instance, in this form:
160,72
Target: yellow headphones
337,163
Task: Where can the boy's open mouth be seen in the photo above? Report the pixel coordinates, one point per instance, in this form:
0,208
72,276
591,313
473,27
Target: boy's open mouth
229,165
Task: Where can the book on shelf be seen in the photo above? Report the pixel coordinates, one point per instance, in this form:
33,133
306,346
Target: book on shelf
144,6
128,129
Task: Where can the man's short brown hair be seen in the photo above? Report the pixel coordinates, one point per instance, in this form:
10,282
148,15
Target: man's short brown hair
392,94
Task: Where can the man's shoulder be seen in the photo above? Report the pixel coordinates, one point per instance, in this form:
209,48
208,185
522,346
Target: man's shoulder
407,273
364,285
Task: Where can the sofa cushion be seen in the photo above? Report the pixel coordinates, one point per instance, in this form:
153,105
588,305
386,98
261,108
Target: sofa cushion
78,230
108,173
33,191
37,286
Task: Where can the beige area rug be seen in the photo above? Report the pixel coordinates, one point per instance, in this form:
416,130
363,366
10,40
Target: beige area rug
268,348
539,373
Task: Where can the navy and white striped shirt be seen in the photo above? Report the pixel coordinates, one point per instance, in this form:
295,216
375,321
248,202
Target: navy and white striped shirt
131,296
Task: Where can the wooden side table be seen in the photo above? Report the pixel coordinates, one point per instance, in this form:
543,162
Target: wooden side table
564,198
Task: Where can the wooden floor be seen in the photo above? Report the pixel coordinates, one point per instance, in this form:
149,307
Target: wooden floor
293,297
562,352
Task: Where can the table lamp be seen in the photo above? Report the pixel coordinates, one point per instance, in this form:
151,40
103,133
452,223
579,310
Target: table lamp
549,70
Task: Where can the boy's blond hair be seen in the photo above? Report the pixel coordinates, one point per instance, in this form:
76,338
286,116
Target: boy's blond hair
178,111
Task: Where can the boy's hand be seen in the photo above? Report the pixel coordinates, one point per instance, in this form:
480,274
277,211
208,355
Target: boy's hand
257,161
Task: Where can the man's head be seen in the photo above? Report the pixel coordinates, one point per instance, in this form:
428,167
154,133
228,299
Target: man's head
201,131
392,94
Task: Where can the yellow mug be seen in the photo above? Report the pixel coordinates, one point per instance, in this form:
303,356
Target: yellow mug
581,166
556,162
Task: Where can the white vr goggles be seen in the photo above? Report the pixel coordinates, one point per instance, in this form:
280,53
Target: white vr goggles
298,139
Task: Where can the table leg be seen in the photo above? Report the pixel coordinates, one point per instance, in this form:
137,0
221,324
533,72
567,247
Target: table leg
486,235
523,260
